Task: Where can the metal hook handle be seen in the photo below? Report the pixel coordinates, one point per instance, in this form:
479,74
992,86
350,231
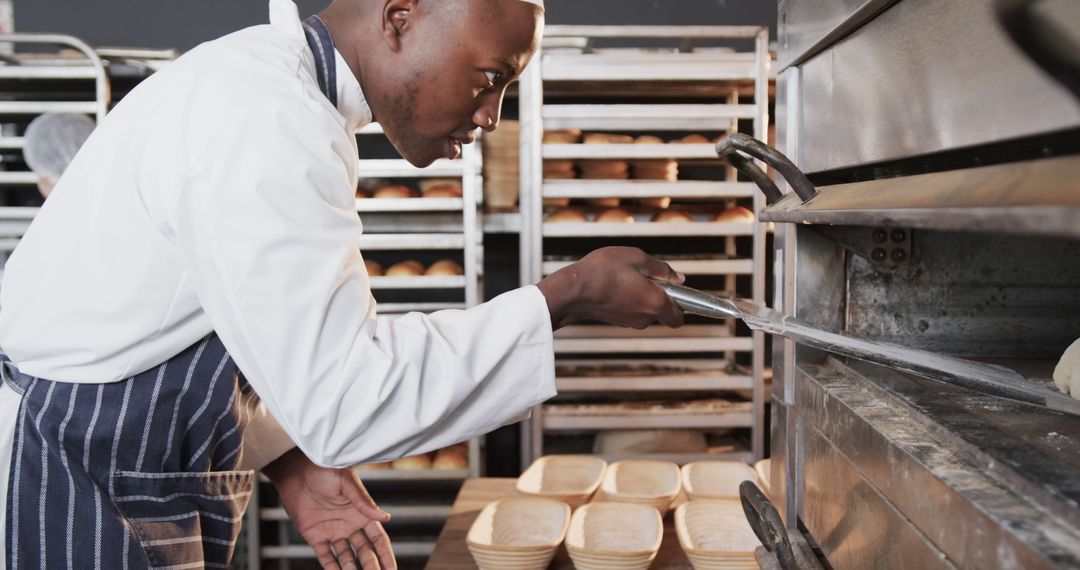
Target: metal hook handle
728,149
766,523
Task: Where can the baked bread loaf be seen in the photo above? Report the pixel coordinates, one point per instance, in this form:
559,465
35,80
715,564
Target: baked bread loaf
567,215
738,214
556,202
566,136
394,191
415,463
655,170
656,203
615,216
443,191
604,169
374,268
453,457
673,217
648,139
559,170
445,267
606,138
407,268
604,202
693,139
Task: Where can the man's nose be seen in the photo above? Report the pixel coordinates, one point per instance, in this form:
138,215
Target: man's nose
487,115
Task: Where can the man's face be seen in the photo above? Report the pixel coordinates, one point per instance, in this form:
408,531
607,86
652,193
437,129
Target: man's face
447,76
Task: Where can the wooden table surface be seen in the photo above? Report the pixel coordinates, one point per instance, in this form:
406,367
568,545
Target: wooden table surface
451,552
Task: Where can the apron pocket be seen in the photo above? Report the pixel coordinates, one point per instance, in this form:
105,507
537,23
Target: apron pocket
184,519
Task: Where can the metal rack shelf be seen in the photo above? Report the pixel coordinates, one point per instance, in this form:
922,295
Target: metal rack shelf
409,204
399,168
700,90
419,282
646,229
383,242
646,189
630,151
694,118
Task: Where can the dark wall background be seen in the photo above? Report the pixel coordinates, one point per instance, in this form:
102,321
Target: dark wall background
185,23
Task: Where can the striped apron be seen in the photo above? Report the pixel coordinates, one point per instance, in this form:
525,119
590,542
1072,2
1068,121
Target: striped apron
138,473
132,474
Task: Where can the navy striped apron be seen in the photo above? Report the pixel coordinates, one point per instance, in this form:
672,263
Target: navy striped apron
133,474
138,473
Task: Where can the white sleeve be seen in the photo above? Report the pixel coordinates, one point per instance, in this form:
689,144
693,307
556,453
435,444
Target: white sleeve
267,225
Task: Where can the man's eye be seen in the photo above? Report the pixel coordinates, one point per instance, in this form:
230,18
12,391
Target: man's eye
493,77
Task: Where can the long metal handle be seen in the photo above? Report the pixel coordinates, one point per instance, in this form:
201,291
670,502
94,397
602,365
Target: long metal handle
984,378
728,149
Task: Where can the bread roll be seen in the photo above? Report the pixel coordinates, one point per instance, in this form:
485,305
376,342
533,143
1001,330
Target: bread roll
415,463
362,193
567,215
673,217
738,214
374,268
559,170
648,139
604,169
407,268
445,267
568,136
394,191
693,139
656,203
443,191
454,457
655,170
605,138
615,216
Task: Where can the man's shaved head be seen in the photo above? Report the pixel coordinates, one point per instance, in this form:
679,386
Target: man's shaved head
435,70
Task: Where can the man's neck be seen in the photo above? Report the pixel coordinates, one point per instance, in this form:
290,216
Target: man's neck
350,30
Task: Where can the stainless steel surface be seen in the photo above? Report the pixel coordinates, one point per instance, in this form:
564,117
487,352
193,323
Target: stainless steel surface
988,379
1038,197
863,441
924,76
972,294
806,26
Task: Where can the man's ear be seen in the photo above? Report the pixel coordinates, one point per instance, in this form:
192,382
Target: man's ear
396,21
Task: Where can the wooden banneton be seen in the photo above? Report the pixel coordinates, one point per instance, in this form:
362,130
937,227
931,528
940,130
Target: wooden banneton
715,479
571,479
520,533
614,536
651,483
715,535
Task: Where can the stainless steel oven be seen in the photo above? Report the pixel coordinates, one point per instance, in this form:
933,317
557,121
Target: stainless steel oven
941,146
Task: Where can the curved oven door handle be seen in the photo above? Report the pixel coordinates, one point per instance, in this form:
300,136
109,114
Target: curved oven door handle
729,148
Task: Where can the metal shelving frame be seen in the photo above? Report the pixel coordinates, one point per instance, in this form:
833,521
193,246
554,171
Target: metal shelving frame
468,238
47,71
594,72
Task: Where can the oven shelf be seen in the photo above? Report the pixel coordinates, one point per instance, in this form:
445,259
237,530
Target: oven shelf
383,242
400,168
701,414
646,229
419,282
409,204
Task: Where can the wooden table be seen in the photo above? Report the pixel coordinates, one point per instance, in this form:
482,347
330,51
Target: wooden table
451,552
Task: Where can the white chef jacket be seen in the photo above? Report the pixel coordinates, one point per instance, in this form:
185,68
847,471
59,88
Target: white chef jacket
219,196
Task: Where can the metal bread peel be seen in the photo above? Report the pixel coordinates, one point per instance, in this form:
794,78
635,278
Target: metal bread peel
984,378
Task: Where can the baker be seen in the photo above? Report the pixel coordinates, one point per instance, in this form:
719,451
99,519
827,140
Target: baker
190,303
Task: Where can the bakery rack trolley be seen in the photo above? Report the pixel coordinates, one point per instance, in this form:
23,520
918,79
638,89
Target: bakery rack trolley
570,69
62,75
396,229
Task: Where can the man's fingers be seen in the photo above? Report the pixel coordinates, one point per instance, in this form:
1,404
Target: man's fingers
344,553
657,269
360,498
325,556
670,315
365,554
380,540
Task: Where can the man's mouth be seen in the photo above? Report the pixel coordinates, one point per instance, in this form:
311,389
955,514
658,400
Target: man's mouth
452,148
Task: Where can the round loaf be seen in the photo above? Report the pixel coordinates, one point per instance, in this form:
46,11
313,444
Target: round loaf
415,463
615,216
567,136
445,267
738,214
407,268
374,268
443,191
394,191
673,217
648,139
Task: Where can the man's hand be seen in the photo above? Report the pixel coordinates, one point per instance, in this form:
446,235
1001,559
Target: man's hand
613,285
334,513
